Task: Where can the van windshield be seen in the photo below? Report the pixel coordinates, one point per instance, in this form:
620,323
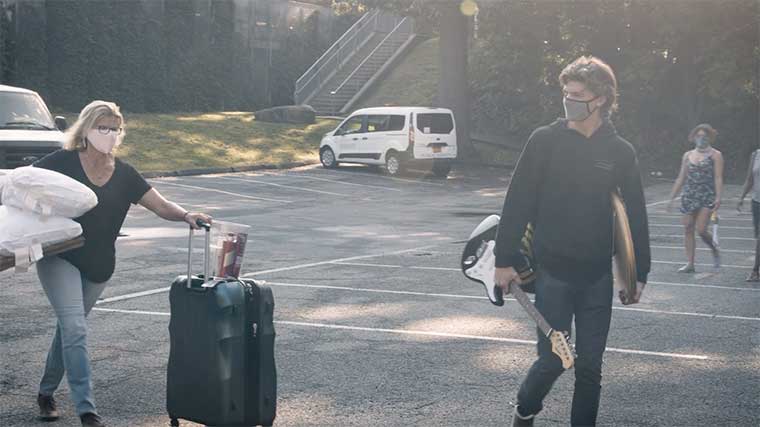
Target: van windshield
435,123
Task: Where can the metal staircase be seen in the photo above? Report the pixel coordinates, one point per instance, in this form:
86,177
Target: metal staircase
354,62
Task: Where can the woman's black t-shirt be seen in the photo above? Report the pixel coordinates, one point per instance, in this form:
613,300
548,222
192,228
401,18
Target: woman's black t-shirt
101,225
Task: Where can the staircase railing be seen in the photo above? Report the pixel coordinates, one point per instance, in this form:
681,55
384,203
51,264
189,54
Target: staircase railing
405,26
332,60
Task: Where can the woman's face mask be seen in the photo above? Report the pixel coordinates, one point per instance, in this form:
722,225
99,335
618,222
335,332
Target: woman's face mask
578,111
104,143
701,141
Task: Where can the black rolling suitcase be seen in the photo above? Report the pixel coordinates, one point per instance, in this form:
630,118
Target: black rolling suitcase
221,369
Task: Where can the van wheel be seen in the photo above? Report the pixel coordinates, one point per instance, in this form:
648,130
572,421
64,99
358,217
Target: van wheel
327,157
393,164
441,168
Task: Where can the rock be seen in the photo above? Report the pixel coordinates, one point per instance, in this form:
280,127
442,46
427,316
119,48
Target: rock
287,114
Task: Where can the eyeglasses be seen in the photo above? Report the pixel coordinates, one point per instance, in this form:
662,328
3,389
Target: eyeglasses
105,130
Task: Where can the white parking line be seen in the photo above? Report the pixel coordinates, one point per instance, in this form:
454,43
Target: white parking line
510,299
307,176
430,334
377,291
116,310
314,264
743,267
662,202
460,296
274,270
733,251
722,217
414,181
688,313
650,282
229,193
698,285
680,236
722,227
359,264
457,269
133,295
482,338
290,187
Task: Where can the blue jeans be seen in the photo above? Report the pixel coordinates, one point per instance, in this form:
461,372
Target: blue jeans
558,302
72,297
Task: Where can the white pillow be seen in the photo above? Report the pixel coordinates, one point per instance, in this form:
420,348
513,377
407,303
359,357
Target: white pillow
20,229
3,178
47,192
23,234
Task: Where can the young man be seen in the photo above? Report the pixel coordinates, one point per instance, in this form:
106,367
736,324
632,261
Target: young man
562,186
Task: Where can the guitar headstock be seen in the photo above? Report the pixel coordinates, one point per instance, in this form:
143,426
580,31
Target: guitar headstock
562,348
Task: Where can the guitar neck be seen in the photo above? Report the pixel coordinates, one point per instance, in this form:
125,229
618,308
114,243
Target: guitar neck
522,298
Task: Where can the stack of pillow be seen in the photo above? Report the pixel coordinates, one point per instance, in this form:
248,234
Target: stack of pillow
37,210
3,177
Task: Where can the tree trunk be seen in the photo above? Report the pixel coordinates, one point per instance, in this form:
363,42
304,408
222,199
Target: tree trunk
453,86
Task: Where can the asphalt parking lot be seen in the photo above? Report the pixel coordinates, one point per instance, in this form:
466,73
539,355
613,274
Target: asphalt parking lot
376,324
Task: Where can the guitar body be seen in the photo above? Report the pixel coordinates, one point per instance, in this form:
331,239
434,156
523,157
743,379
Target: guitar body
478,265
479,262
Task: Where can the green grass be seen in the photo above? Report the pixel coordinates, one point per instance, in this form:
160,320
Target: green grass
166,142
414,82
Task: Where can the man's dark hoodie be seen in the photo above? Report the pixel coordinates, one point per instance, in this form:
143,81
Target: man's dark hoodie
562,186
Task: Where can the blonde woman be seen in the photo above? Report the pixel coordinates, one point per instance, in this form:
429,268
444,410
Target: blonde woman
74,280
701,178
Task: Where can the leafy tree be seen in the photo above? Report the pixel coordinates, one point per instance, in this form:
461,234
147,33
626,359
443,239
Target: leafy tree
677,65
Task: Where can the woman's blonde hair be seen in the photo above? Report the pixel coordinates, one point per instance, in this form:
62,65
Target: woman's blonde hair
90,114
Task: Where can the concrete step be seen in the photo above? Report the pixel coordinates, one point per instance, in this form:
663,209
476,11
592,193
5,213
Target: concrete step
330,101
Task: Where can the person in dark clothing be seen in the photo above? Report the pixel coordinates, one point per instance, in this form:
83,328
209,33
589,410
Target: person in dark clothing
562,185
74,280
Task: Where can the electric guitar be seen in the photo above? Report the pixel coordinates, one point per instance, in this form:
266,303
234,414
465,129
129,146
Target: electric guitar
478,265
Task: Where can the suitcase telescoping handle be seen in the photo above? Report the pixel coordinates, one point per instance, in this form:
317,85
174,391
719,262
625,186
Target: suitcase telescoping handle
206,226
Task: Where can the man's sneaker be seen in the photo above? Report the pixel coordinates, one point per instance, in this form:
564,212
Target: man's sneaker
520,421
91,420
754,276
48,410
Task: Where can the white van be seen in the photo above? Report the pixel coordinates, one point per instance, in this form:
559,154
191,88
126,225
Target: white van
396,137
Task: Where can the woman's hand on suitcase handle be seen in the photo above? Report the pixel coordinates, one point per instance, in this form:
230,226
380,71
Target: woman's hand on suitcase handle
198,220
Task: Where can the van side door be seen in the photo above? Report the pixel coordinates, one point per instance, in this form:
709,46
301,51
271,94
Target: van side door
349,134
377,139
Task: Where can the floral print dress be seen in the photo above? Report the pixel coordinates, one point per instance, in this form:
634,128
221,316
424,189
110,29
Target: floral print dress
699,190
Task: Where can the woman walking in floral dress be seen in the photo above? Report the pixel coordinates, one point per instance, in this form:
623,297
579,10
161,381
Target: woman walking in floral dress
701,179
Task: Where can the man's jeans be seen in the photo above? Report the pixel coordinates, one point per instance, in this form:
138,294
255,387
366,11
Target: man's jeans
558,302
72,297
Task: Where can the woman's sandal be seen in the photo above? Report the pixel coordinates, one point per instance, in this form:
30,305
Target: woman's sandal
753,277
716,257
688,268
